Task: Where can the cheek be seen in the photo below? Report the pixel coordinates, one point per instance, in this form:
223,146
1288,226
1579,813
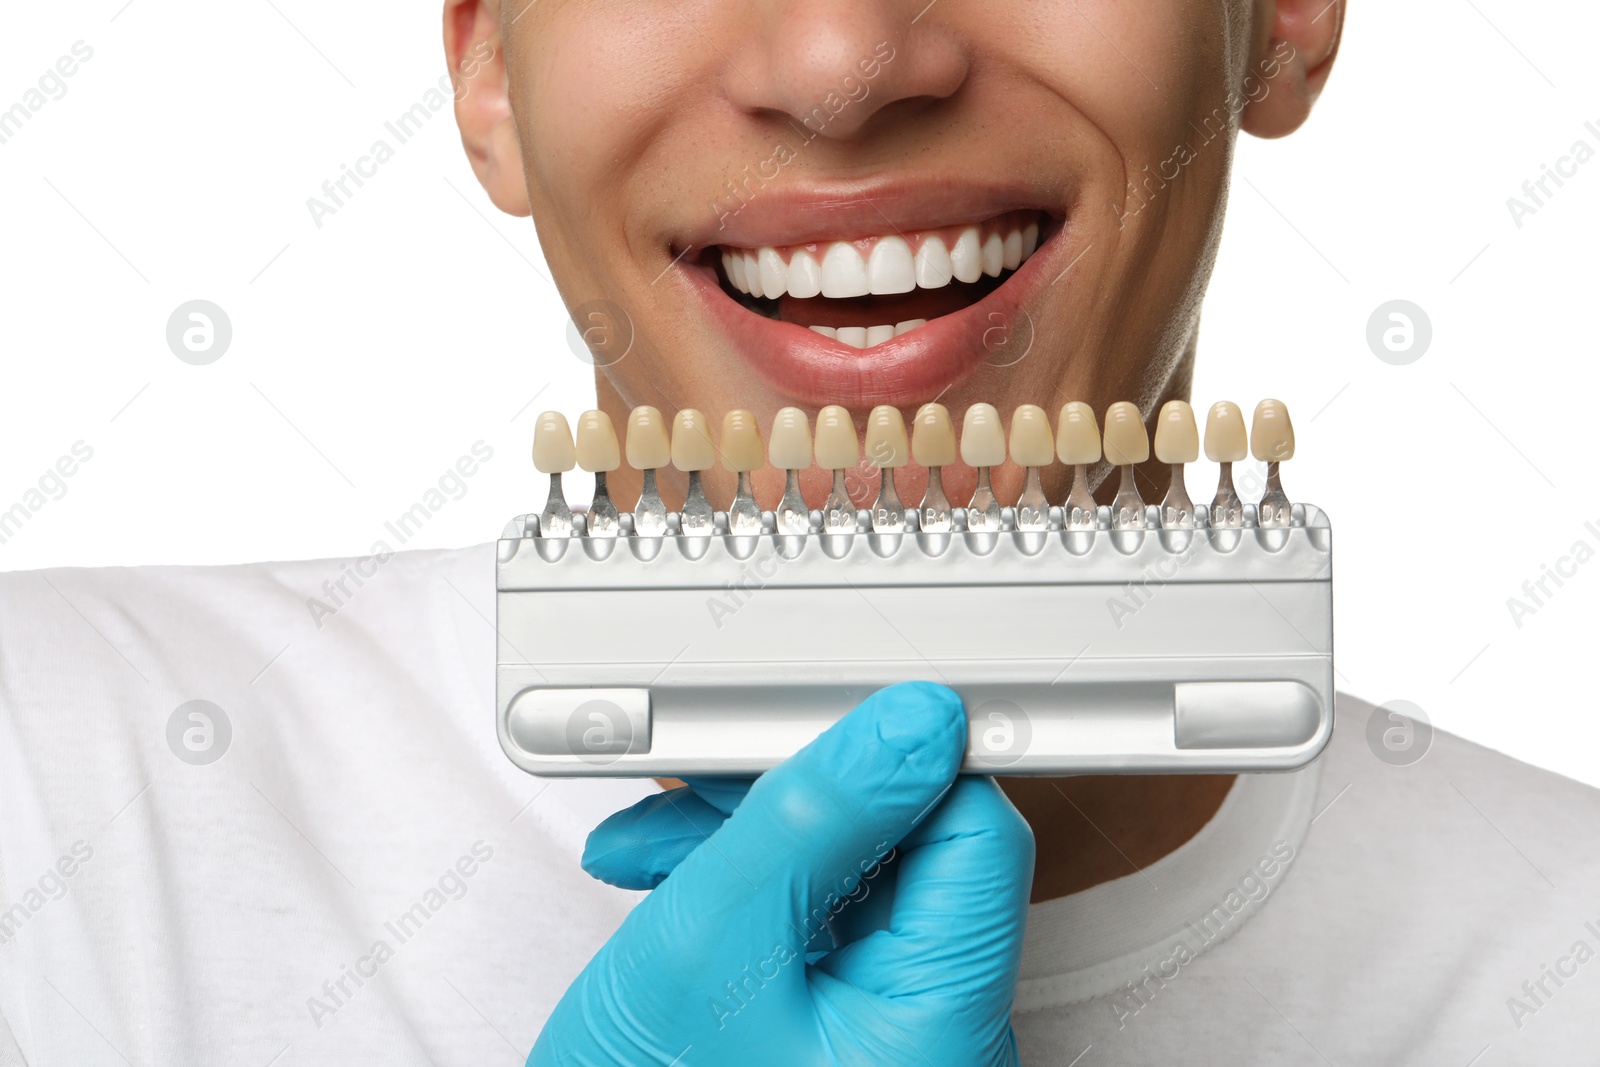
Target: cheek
1139,73
597,85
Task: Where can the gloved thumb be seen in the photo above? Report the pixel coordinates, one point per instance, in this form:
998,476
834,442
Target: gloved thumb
812,827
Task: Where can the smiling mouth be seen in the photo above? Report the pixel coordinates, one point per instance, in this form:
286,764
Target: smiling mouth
868,290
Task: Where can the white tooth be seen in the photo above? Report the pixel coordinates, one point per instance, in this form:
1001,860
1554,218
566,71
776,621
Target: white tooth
734,263
909,324
826,331
752,274
1011,250
876,335
805,276
854,336
933,263
844,272
889,268
966,260
1030,239
774,275
993,256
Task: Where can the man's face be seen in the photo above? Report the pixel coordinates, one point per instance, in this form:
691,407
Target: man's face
1010,202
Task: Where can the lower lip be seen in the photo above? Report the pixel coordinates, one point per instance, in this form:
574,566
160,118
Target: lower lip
912,368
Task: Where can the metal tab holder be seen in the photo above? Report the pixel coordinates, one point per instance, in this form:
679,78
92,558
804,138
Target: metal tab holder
1075,651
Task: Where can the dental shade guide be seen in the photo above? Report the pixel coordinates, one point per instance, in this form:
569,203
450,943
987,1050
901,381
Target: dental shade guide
693,452
789,450
1225,446
599,453
1078,446
741,454
1271,442
933,444
1177,444
983,446
1082,639
649,450
1126,445
838,449
554,454
1032,446
887,449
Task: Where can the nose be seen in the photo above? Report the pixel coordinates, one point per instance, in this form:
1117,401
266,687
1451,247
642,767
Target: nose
832,65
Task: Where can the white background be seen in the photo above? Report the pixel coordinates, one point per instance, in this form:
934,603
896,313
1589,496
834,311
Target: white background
369,354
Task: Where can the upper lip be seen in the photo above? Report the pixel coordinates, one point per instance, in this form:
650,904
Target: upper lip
797,213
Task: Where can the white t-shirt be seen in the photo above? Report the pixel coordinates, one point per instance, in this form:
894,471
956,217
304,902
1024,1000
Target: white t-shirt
361,877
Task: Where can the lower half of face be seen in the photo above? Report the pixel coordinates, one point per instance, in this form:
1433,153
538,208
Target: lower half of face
867,203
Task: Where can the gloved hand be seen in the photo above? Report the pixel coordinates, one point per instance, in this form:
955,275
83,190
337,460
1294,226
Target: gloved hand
864,837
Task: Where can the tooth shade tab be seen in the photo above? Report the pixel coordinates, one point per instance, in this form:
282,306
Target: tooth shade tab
836,445
789,448
983,439
1272,434
1225,434
1125,438
887,444
648,446
553,451
741,442
597,450
692,449
1077,434
1032,443
933,438
1177,437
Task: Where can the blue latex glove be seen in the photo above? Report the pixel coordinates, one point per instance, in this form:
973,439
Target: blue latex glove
865,836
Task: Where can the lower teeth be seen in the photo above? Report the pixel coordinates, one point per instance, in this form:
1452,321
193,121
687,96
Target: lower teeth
867,336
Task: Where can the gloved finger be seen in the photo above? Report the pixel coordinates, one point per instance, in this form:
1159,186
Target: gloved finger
807,830
960,903
637,847
724,794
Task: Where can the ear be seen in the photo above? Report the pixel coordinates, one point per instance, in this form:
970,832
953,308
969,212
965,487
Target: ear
473,48
1296,42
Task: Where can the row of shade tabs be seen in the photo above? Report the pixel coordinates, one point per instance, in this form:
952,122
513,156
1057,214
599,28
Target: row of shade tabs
1077,440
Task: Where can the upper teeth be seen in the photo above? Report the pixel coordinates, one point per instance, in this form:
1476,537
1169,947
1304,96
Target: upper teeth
881,266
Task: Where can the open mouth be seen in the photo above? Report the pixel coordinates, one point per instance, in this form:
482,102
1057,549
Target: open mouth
868,290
